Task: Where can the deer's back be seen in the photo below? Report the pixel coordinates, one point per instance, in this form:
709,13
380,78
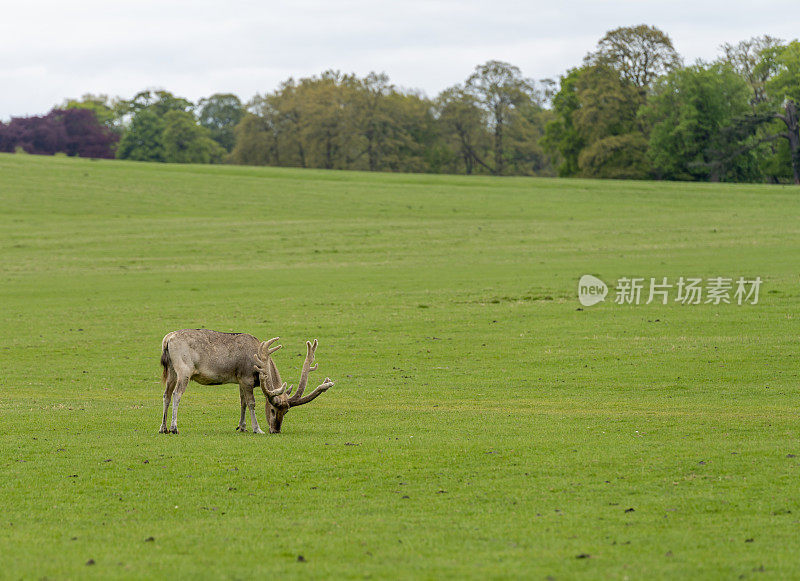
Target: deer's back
212,357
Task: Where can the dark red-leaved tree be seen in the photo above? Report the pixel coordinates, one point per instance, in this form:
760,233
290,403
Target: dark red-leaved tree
70,131
37,135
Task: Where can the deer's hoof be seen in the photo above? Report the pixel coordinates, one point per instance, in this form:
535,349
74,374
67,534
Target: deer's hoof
258,431
240,429
162,430
173,430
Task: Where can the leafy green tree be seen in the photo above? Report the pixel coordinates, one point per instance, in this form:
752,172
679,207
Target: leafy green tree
596,128
691,112
609,104
417,131
461,124
640,54
395,126
255,142
184,141
378,123
159,102
277,134
498,88
220,113
493,123
525,154
616,157
142,138
305,123
771,129
784,89
561,138
746,58
338,121
104,109
323,109
162,127
754,134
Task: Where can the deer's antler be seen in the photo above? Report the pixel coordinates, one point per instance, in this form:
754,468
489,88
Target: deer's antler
266,367
278,391
311,348
323,387
309,366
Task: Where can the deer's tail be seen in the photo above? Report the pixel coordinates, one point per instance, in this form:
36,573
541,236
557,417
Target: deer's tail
164,361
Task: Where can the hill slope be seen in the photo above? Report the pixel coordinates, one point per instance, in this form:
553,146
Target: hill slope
483,423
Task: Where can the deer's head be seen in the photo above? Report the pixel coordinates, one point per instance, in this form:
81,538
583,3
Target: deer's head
279,396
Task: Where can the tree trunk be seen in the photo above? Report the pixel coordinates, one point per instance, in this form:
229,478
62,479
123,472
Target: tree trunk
467,162
371,157
470,157
328,150
793,125
276,150
498,143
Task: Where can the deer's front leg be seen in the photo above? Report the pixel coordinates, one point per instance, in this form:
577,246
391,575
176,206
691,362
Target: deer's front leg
247,389
242,427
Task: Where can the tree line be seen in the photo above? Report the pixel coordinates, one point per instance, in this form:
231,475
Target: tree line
631,110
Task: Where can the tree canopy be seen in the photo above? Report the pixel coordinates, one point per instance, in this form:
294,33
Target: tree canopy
75,132
630,110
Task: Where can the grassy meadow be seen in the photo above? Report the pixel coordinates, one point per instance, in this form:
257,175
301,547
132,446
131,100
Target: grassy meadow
483,424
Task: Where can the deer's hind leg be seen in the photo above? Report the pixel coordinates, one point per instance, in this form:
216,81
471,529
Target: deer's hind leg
169,387
183,374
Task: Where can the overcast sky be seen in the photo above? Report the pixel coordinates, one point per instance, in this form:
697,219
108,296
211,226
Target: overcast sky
51,50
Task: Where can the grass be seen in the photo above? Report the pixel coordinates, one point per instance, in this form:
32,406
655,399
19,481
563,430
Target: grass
482,424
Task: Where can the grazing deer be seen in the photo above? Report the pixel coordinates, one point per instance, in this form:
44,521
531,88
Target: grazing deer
213,358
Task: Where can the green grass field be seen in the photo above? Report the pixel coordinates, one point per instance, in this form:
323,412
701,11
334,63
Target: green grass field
482,424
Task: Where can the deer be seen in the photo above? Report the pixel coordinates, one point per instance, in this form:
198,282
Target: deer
214,358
